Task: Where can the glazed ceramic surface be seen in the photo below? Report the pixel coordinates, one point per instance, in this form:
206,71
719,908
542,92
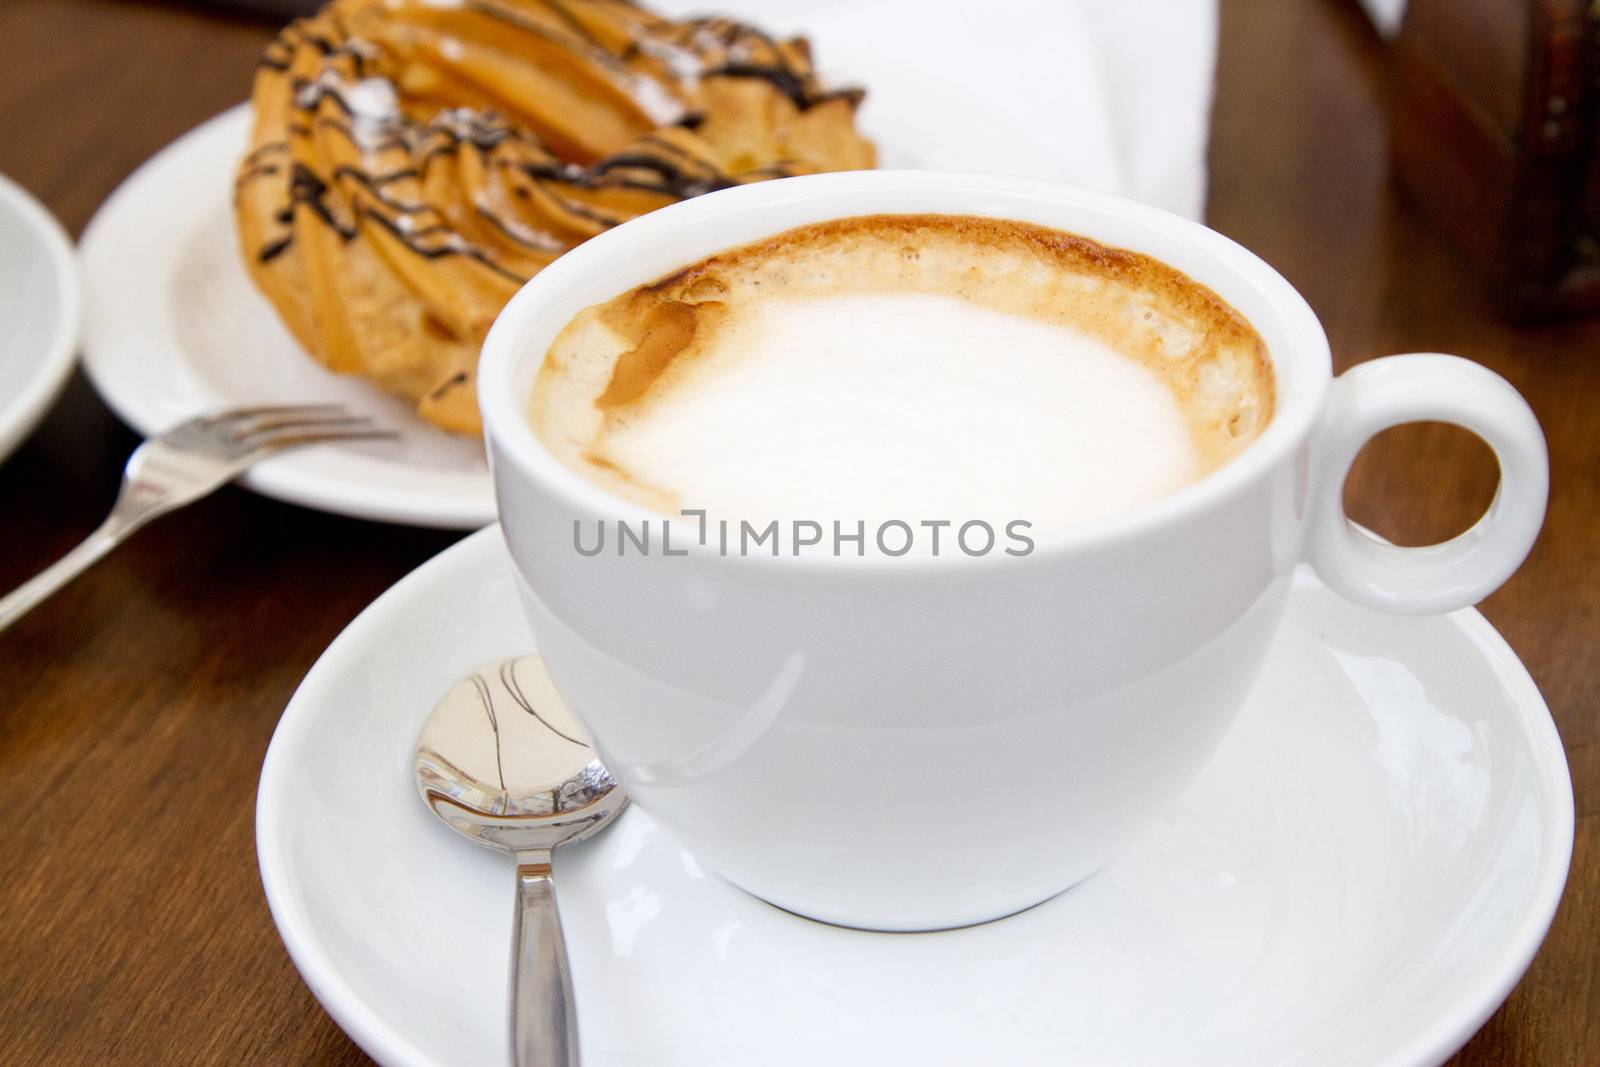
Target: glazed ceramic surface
915,742
39,312
1358,876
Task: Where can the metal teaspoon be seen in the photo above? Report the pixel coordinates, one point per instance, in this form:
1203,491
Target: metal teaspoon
502,761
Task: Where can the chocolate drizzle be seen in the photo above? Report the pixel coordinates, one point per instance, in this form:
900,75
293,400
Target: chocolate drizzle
308,190
423,127
707,48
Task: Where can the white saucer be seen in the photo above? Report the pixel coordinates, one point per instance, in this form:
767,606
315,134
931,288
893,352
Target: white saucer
173,326
1360,876
39,312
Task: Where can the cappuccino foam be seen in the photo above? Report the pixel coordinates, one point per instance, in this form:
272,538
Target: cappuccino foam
906,367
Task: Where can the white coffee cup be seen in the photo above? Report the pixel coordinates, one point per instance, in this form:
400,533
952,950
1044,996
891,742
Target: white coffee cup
914,743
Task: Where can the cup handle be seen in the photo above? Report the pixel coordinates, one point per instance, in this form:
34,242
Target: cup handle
1374,396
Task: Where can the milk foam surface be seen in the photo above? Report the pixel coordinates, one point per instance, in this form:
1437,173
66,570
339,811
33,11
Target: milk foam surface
912,368
911,406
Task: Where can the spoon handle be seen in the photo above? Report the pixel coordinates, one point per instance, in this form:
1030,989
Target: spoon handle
544,1025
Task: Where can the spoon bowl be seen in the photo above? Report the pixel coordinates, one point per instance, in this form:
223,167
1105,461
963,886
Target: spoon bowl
502,762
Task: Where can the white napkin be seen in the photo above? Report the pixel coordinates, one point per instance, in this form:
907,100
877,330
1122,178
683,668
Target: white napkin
1102,93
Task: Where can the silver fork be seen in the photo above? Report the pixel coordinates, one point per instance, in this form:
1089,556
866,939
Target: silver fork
184,464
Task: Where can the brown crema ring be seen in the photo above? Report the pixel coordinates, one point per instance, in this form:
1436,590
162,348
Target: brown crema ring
412,163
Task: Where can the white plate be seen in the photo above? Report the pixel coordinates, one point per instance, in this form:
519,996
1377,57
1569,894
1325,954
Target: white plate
174,326
1360,876
39,312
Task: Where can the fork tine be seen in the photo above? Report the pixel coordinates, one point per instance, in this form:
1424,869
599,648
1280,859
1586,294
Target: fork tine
254,428
281,439
256,411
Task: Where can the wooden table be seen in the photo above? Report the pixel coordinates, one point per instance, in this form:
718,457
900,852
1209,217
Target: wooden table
139,702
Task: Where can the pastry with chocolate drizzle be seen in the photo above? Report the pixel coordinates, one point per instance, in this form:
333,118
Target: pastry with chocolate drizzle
414,161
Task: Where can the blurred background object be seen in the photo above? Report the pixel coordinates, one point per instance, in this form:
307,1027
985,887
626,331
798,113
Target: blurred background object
1495,111
282,10
1385,14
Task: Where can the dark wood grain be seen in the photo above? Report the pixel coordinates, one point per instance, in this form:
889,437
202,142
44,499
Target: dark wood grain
139,702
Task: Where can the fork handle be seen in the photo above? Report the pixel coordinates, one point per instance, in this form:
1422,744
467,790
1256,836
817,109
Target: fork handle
21,600
544,1025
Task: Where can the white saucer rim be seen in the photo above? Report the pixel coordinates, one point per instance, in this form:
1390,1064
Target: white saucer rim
27,407
446,501
1432,1044
316,967
1444,1038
